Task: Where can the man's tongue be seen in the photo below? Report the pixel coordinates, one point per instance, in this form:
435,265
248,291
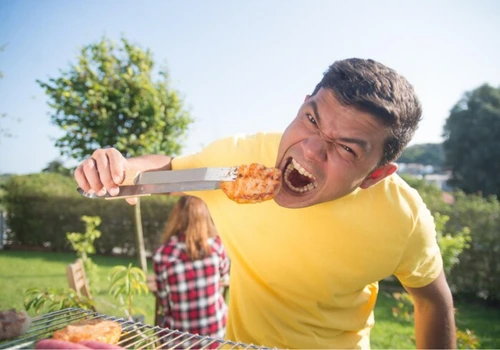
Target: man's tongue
298,180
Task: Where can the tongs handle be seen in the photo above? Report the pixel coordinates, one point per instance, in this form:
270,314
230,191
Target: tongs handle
130,177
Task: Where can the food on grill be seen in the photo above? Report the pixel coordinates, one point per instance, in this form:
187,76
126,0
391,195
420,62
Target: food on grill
135,335
104,331
254,183
13,323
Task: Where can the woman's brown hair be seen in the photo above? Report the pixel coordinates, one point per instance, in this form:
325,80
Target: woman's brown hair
190,216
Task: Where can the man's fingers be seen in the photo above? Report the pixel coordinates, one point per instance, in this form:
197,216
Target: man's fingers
117,164
91,174
103,168
131,200
103,172
111,166
81,180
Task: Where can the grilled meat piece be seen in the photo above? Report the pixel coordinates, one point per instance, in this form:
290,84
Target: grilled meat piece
104,331
13,323
254,184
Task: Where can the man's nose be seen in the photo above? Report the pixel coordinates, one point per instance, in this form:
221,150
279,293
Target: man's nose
314,148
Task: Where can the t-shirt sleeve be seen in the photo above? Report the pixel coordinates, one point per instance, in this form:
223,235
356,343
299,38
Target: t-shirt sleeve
233,151
421,262
217,154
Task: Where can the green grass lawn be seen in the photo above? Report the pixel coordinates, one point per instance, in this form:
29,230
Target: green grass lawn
391,333
21,270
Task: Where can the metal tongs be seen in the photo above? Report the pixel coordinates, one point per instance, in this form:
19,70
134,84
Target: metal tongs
154,182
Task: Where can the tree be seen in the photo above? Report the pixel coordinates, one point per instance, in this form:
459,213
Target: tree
426,154
109,98
472,141
57,166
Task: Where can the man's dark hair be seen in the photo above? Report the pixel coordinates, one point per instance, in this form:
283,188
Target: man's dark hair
374,88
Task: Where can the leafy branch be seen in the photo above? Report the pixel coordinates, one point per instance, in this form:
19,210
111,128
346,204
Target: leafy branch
53,299
126,283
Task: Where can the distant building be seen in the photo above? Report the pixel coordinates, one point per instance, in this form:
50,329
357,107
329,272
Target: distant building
415,169
426,172
439,180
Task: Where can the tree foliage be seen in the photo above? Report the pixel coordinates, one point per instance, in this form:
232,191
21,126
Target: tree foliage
478,272
46,300
41,208
472,141
426,154
83,245
109,98
57,166
468,231
127,282
451,245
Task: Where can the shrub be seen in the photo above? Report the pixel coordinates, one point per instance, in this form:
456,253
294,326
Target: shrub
478,273
41,208
83,245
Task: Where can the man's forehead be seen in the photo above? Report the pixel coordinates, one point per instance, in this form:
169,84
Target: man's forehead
326,106
324,103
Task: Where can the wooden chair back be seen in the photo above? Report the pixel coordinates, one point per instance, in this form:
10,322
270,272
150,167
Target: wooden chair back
151,282
77,278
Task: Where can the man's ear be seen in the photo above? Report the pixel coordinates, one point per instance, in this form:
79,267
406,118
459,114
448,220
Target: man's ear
306,98
379,174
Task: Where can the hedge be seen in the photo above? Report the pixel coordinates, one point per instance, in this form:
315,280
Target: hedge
478,272
42,208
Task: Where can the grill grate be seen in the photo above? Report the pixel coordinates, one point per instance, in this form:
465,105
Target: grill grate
135,335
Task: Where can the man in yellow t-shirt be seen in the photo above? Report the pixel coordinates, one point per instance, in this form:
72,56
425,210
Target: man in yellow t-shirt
317,266
305,267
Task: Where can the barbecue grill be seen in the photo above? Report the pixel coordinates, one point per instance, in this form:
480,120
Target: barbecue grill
135,335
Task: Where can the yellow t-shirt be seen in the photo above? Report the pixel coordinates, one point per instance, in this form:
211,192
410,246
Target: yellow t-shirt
308,278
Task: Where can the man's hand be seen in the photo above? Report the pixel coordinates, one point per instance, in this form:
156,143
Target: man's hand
105,170
102,172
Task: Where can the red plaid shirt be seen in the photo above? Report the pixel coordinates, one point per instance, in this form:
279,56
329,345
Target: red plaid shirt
189,291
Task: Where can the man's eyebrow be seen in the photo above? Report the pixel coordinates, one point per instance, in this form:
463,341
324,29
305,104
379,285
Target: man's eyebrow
361,143
314,106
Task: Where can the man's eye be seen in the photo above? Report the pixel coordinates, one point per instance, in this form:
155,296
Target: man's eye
350,150
311,119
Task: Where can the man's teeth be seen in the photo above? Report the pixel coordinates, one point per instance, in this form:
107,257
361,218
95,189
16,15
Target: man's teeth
306,188
301,170
296,166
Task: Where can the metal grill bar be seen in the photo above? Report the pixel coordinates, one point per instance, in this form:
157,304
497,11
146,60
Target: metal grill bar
135,335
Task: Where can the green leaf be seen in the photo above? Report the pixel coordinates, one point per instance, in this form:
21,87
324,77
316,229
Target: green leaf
92,86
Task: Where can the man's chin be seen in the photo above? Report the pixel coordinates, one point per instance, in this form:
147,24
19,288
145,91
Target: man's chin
287,200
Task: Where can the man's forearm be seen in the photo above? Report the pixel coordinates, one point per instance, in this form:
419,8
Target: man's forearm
150,163
435,326
434,315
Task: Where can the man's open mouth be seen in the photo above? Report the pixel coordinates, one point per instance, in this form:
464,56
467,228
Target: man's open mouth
297,178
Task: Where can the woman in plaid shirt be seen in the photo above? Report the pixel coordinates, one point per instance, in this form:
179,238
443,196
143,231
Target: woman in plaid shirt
190,267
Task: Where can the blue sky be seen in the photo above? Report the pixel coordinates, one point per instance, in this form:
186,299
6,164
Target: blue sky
242,66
